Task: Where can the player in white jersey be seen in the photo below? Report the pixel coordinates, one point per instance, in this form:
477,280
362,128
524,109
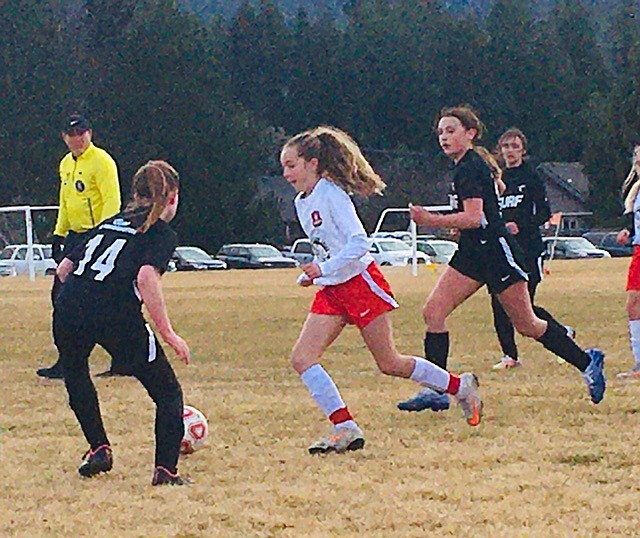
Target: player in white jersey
631,191
325,166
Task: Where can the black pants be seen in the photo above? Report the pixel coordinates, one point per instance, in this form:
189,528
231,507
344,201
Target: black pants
504,327
77,327
72,241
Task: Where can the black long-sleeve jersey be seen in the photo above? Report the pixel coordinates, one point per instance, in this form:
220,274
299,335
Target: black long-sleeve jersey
524,202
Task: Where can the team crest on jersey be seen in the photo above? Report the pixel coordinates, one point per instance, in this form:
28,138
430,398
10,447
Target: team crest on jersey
79,186
316,219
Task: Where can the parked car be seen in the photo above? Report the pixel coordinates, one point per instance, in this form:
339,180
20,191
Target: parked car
13,260
402,235
7,271
438,250
195,259
301,251
253,256
390,251
572,248
607,241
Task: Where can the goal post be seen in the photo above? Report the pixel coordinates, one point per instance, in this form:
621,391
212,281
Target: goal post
28,223
413,228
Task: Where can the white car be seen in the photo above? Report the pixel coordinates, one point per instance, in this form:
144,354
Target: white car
402,235
389,251
572,248
13,259
195,259
439,250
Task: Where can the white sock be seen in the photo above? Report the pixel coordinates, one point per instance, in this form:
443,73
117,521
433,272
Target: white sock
324,392
634,333
428,374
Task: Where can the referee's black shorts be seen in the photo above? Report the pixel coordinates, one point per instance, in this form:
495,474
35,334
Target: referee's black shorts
499,263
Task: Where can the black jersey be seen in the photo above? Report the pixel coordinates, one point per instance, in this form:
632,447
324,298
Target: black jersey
525,202
107,264
472,179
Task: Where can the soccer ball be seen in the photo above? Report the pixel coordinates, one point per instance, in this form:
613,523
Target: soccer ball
195,430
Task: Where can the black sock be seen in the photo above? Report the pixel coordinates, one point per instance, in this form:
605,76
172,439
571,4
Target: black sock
555,339
542,313
436,348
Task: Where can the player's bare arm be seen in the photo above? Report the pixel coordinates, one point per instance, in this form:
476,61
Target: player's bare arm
152,297
470,217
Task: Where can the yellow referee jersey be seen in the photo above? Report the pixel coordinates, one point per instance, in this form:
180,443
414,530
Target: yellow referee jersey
89,191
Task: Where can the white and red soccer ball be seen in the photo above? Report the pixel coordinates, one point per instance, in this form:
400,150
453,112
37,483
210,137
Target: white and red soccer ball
195,430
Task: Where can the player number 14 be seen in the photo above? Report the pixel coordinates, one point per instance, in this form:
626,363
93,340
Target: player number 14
105,263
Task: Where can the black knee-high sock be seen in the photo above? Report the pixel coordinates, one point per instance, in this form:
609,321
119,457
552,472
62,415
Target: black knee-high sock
555,339
504,329
436,348
543,314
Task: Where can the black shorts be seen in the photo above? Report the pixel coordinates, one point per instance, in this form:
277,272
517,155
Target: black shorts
499,263
78,325
535,268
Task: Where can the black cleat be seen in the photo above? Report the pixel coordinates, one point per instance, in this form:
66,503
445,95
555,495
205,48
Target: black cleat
162,477
97,461
54,372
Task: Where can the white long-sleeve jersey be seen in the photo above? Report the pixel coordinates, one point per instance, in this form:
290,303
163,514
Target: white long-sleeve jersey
636,221
338,239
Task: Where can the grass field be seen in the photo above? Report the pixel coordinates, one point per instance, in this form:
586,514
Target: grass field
545,462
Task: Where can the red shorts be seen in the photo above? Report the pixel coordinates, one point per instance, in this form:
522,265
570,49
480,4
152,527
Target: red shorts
633,276
359,300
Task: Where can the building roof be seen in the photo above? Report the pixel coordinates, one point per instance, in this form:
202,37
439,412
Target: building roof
568,176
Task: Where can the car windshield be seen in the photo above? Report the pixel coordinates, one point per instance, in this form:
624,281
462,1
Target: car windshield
264,251
393,246
47,251
193,254
6,254
579,244
444,248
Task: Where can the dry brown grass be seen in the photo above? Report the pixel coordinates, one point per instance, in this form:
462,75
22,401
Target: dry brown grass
544,462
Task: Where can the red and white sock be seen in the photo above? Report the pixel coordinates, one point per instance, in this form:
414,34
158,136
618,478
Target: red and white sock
326,395
431,375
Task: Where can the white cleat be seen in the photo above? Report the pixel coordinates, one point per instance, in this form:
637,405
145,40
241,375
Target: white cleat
343,440
506,363
469,399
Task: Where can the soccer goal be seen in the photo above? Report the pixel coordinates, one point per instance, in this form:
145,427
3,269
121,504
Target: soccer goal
413,228
28,211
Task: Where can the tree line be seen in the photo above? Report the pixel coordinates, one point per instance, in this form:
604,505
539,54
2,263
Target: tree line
215,97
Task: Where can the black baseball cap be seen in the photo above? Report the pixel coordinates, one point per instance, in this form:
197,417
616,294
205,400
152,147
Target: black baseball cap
76,123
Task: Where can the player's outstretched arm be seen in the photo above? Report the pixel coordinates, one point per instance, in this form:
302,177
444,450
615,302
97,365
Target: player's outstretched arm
151,292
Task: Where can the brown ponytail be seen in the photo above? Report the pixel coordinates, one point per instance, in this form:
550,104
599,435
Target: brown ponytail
469,120
153,185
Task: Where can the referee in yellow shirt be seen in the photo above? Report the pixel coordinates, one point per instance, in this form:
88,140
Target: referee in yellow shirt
89,194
